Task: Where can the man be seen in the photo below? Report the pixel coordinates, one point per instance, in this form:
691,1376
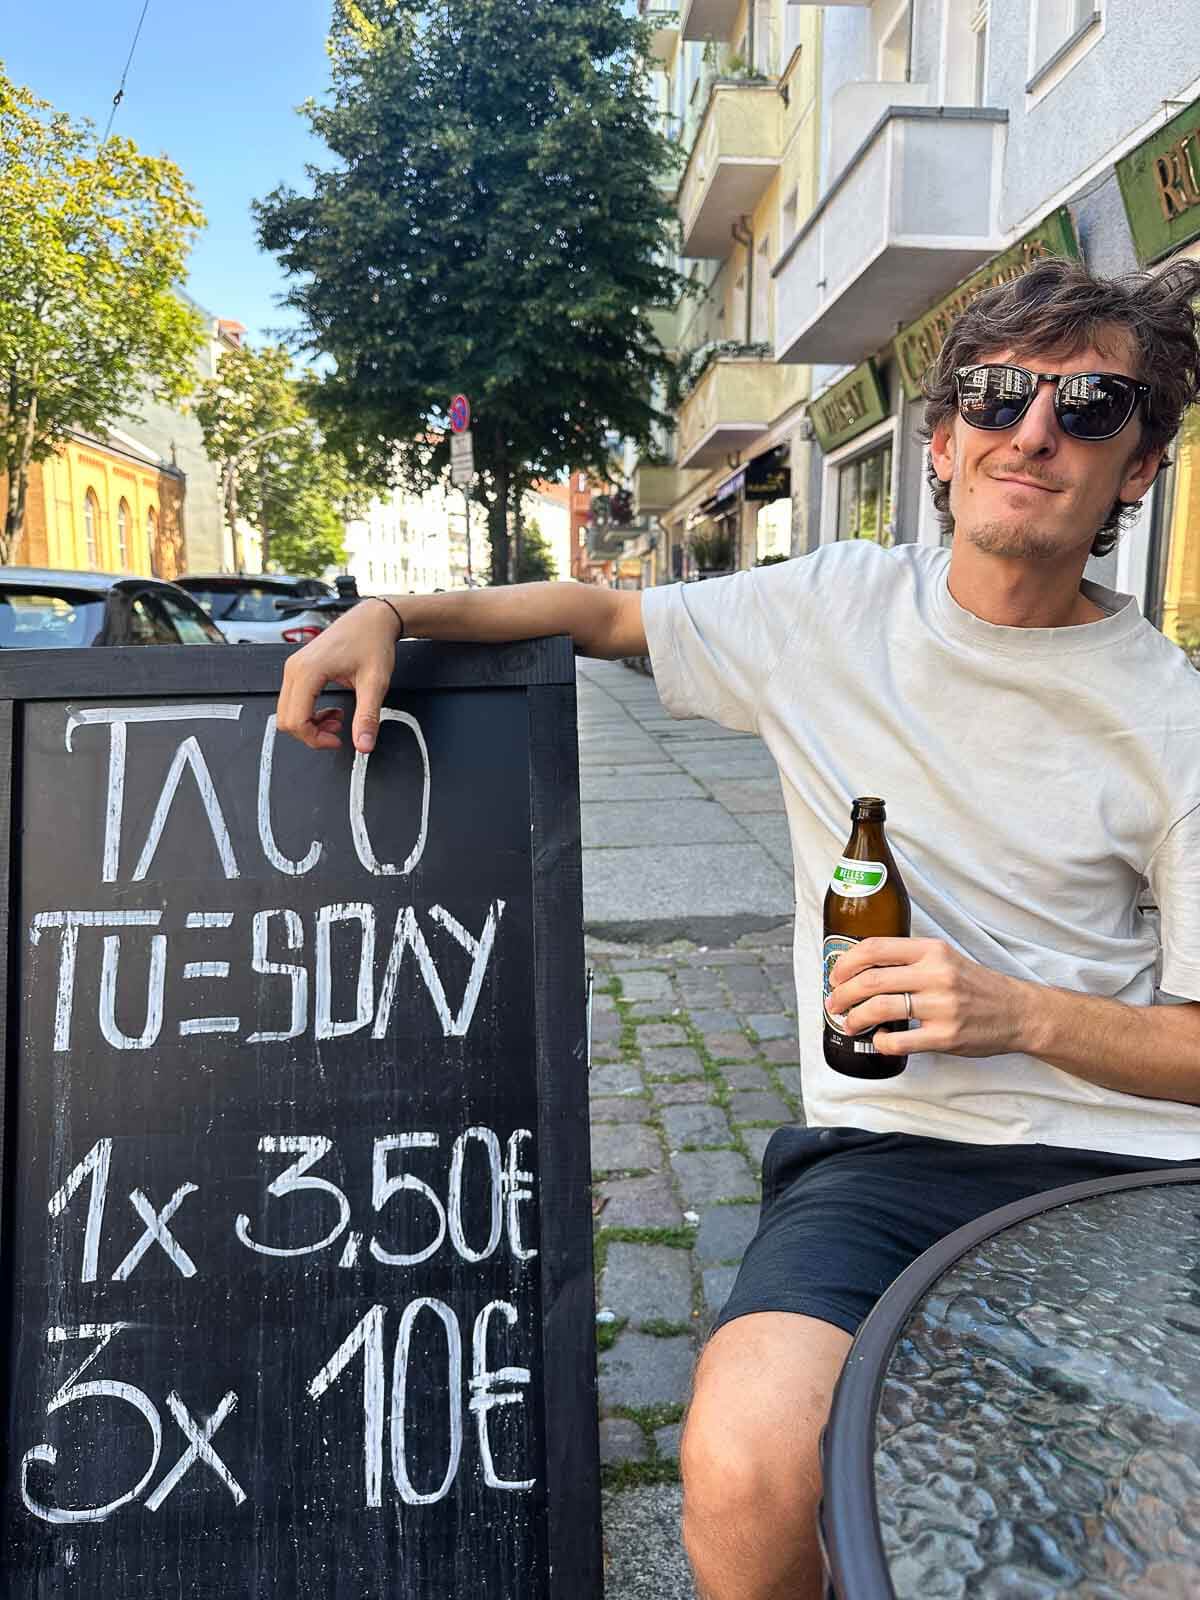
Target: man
1038,743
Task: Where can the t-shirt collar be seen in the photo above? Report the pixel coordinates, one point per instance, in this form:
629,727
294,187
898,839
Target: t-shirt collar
1122,618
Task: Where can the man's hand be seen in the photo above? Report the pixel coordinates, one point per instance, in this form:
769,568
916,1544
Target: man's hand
961,1008
358,652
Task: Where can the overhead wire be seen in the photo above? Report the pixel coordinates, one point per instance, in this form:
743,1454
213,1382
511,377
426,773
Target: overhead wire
120,94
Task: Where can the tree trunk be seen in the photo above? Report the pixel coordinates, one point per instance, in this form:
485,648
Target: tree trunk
498,517
518,542
18,484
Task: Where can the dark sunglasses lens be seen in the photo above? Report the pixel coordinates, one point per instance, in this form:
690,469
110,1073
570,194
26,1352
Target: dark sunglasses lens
1093,405
993,397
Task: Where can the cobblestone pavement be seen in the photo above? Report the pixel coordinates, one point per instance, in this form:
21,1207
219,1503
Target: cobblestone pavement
694,1064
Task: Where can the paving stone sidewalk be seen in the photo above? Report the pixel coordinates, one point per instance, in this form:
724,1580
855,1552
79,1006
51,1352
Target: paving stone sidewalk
694,1064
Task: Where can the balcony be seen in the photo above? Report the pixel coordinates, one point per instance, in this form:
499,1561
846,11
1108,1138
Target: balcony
734,159
665,22
733,404
655,488
709,19
911,214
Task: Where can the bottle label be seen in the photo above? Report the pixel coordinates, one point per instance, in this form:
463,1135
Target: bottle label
837,944
854,880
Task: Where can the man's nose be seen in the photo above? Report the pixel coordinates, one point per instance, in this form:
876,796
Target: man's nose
1037,432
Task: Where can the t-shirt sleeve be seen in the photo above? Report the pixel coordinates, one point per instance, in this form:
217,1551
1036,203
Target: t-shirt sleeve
1175,879
714,644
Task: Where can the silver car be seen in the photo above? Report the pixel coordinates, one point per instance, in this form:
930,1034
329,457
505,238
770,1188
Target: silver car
247,606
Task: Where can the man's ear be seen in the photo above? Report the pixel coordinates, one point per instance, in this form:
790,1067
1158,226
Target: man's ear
1140,472
941,449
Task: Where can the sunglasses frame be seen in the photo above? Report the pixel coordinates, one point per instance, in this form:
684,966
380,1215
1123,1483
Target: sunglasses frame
1140,392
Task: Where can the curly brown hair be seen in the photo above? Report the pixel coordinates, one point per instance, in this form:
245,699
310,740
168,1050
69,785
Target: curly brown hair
1058,307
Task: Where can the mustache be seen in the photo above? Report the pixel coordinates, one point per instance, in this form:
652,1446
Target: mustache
1029,470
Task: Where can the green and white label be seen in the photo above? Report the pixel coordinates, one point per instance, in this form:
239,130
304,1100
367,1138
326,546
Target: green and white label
857,879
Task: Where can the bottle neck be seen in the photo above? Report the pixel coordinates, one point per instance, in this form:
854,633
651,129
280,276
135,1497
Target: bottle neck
867,842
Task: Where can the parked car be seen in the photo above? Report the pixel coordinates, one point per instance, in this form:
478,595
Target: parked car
43,608
255,608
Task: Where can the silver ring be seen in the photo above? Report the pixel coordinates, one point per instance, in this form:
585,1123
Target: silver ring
908,1011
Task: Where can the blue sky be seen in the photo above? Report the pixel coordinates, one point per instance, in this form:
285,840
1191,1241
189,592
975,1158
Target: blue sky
214,84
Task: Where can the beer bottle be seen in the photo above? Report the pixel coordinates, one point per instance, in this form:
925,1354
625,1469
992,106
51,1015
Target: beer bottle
866,899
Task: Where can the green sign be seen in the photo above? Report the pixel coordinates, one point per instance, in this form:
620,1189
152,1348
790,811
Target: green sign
917,346
1160,185
849,408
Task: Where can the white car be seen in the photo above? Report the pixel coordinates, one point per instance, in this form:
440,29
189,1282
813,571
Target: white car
245,606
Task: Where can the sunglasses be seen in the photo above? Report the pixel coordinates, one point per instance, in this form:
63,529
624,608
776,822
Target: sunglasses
1088,405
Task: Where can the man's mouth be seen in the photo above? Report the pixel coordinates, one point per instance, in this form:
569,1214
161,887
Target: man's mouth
1025,483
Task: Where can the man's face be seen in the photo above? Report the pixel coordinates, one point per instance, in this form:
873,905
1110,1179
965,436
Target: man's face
1031,491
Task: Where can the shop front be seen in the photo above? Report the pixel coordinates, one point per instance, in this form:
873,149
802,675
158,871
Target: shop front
1160,187
747,519
856,430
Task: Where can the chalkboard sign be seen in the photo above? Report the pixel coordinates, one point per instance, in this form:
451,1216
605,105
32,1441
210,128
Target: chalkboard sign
296,1268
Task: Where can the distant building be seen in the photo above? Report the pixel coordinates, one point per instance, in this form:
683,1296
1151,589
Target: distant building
104,505
415,543
549,505
172,433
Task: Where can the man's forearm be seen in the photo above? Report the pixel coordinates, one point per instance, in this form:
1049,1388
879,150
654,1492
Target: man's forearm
1147,1050
602,622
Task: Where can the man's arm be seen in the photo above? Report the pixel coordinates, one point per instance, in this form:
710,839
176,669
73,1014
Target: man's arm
359,650
964,1008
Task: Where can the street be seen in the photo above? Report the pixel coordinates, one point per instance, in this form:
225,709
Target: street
694,1063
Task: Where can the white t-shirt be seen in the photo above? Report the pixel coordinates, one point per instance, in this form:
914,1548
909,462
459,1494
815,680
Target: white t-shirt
1036,779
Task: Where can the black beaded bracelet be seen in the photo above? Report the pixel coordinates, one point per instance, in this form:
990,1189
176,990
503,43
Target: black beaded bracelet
383,601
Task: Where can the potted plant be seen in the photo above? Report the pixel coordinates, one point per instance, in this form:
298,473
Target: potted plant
712,552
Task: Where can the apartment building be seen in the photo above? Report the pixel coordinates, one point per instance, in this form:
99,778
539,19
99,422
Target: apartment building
855,173
738,83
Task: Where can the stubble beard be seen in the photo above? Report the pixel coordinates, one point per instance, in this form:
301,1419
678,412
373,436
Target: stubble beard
1022,541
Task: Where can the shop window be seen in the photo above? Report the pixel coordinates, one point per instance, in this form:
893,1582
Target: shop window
91,529
123,535
865,496
1055,23
1175,574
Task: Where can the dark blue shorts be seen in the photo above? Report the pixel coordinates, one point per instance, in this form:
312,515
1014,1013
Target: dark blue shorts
844,1212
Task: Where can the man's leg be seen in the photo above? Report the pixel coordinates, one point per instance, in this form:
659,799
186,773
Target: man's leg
751,1468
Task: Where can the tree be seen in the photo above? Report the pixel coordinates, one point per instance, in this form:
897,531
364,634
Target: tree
537,562
489,223
275,467
93,241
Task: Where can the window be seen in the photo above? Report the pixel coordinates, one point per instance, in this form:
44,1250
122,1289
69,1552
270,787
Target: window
792,18
865,496
893,41
189,627
1055,23
91,528
966,52
241,602
30,621
123,535
147,624
151,536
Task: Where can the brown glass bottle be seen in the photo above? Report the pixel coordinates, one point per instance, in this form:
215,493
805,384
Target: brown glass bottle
866,899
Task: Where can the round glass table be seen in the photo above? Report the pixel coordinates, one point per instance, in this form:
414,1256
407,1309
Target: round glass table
1019,1416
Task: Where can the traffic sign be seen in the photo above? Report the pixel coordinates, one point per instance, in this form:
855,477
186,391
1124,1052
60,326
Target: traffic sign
460,414
462,458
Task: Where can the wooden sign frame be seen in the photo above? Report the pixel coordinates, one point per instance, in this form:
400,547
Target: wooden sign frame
544,670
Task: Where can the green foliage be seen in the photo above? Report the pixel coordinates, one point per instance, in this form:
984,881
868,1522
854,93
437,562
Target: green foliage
537,564
1189,641
93,242
712,552
770,561
277,470
484,224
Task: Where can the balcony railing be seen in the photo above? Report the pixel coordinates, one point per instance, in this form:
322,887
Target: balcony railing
708,19
655,488
733,160
913,212
734,402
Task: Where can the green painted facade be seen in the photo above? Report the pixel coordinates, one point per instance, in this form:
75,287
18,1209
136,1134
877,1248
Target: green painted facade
1160,185
917,346
853,405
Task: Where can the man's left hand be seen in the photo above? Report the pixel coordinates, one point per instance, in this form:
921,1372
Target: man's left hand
959,1007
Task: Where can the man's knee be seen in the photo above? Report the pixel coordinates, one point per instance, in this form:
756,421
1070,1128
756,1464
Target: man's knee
750,1449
